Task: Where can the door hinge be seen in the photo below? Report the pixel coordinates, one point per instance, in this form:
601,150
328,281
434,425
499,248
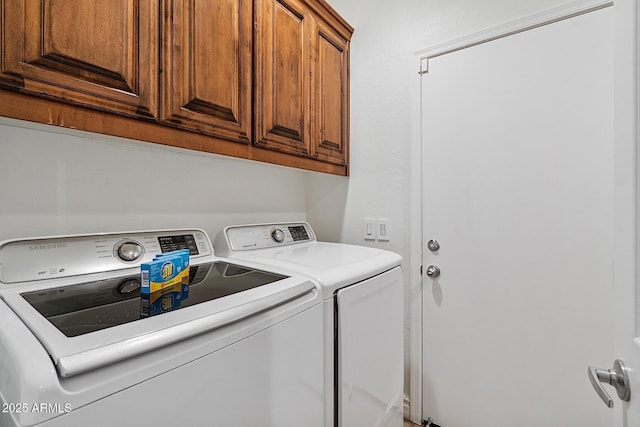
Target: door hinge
424,66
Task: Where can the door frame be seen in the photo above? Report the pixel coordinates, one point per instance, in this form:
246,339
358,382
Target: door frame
419,66
627,193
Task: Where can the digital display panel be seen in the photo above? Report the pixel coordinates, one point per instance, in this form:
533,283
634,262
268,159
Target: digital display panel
298,232
173,243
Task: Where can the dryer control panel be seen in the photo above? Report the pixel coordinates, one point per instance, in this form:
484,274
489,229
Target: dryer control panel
262,236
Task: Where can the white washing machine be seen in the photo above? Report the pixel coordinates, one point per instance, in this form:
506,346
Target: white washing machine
363,315
244,348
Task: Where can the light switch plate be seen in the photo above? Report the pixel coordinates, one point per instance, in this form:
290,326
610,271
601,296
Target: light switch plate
369,229
383,230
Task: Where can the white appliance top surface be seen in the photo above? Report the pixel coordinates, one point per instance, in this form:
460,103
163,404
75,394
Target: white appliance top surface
333,265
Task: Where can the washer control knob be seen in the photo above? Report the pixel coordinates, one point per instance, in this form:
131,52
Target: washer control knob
129,251
277,235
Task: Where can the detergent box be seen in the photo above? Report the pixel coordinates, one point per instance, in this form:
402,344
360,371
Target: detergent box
185,253
164,282
165,270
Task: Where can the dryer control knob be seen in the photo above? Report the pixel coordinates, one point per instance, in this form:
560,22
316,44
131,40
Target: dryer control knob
277,235
129,251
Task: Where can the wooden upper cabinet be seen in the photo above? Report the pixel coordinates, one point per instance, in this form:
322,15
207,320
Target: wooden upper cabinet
207,47
283,71
102,54
330,96
266,80
302,80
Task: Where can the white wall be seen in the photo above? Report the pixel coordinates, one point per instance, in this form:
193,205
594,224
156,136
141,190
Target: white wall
58,181
385,37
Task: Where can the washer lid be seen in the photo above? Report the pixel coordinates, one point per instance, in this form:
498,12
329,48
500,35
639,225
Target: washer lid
88,325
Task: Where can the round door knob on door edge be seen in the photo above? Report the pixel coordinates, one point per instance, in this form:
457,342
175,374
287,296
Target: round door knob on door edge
433,271
433,245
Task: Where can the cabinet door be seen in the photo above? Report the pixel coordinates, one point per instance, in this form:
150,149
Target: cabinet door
283,85
330,101
101,54
207,67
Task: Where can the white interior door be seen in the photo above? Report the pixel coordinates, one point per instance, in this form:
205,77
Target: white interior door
519,191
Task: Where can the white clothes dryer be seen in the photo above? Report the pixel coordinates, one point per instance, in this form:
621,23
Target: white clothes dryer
363,315
243,348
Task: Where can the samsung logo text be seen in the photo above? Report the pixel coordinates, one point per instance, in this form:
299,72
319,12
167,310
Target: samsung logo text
47,247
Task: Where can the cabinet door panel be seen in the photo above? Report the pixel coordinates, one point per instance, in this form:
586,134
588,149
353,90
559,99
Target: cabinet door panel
283,76
207,69
101,54
330,97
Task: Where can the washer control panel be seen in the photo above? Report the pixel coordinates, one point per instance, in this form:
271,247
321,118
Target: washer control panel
64,256
261,236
